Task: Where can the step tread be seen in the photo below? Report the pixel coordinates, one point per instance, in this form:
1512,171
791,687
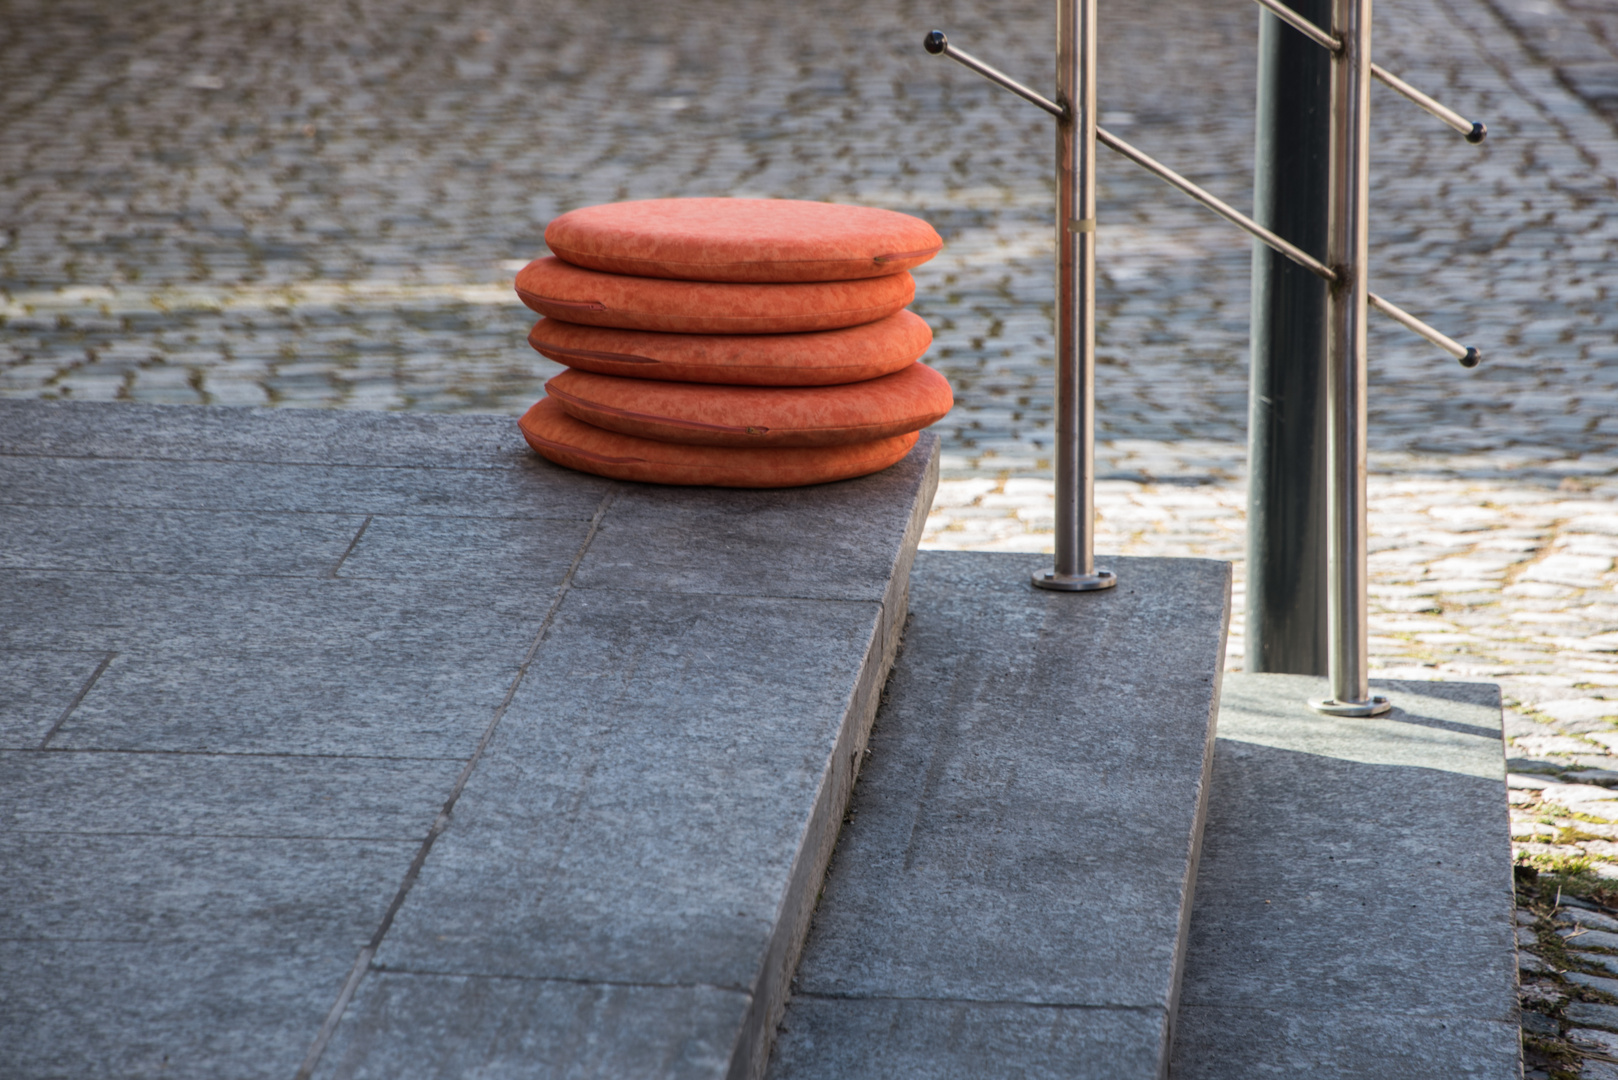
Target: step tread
1011,889
291,631
1353,916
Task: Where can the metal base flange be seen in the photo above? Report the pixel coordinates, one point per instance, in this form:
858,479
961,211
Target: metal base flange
1101,579
1375,705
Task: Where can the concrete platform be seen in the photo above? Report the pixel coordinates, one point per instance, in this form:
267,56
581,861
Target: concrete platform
1353,917
355,745
1011,893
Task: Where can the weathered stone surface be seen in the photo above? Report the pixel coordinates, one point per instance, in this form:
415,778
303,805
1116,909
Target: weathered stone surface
1011,889
392,487
958,1040
1595,920
313,437
36,688
1593,982
1342,1044
413,702
261,696
1331,844
423,1024
260,892
833,541
1589,939
270,796
1605,1042
94,540
184,615
638,821
1590,1014
1597,960
116,1010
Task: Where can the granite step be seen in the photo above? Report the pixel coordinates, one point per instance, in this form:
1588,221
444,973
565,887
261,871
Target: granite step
350,745
1011,892
1353,917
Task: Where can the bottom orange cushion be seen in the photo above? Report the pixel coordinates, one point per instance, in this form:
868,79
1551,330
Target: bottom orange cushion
708,415
558,437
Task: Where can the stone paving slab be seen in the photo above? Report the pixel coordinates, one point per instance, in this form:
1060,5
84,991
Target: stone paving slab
456,747
314,438
424,1024
259,892
270,795
388,488
303,702
237,614
1012,887
36,688
1353,914
164,1008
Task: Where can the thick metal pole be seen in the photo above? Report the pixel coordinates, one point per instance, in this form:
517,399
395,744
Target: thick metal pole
1347,250
1075,303
1286,415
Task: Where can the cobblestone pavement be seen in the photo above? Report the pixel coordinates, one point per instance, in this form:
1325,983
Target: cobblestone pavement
318,204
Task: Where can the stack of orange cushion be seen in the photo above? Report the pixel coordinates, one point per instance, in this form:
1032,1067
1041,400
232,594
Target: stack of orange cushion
733,342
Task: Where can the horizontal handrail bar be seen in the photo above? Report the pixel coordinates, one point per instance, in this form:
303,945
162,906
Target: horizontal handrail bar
937,44
1474,130
1216,204
1467,355
1301,25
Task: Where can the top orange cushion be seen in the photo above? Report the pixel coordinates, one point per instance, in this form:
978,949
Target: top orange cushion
560,290
742,240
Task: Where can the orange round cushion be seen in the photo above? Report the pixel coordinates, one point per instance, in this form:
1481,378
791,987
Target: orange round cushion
820,359
704,415
559,290
742,240
558,437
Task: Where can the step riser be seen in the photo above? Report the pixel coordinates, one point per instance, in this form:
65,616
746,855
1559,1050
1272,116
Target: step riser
792,926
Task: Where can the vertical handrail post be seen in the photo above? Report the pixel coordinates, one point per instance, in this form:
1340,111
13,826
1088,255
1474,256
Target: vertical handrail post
1074,463
1347,306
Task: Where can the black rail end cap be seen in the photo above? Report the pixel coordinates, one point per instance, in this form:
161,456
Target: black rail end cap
1479,130
936,43
1472,357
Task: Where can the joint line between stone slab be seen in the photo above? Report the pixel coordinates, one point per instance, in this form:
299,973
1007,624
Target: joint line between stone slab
877,600
981,1001
352,544
165,752
434,973
363,962
77,698
143,459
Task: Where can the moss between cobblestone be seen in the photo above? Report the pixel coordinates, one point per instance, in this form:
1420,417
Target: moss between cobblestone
1540,894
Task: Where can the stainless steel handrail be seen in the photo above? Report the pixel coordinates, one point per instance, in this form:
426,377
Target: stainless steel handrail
1301,25
938,44
1473,130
